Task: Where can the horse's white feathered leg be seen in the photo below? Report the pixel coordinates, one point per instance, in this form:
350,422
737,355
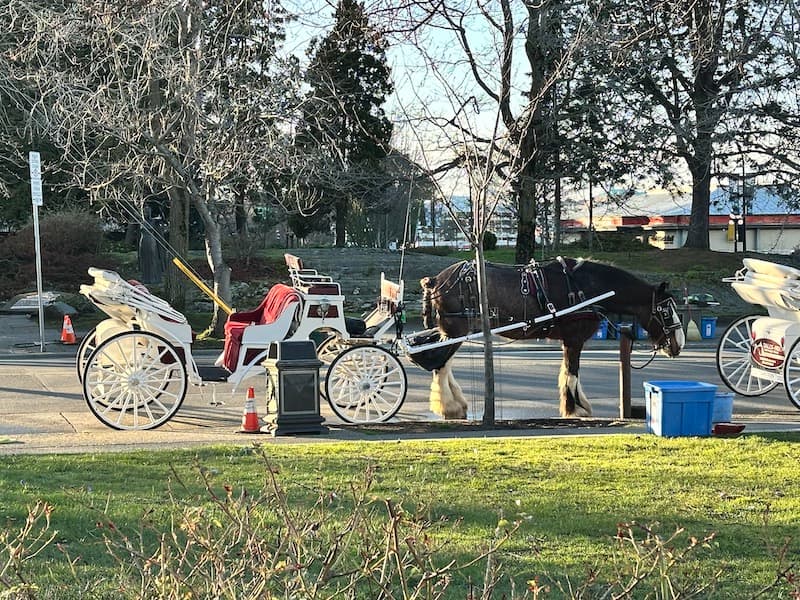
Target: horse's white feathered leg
458,394
584,408
442,400
573,401
440,391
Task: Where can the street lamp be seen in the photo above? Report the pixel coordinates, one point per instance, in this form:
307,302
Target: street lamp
737,220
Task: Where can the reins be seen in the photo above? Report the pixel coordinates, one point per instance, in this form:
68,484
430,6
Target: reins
653,350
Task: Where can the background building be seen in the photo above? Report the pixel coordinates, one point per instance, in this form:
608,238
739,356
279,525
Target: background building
752,217
437,227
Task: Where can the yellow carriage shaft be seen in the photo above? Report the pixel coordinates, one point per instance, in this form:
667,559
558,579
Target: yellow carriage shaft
199,283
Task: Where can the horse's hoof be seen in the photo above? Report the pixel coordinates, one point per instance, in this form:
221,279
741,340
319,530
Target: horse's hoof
456,416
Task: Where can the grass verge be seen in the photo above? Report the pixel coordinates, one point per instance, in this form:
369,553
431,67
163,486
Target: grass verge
569,495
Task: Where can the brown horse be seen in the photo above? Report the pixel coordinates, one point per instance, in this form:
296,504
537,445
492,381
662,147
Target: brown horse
521,294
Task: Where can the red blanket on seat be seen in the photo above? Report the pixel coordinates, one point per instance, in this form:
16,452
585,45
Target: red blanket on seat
275,302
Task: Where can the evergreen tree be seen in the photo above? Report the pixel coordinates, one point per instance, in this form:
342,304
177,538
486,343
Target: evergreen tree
343,118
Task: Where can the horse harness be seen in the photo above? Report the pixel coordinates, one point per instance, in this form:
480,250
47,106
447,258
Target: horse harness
532,276
533,283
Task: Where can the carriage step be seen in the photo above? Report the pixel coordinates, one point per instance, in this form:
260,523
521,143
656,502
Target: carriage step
213,374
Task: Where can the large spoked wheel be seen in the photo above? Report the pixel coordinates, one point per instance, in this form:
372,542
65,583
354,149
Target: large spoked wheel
366,384
791,374
85,349
733,359
134,380
330,348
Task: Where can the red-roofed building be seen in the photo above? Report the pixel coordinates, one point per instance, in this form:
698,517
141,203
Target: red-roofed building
770,224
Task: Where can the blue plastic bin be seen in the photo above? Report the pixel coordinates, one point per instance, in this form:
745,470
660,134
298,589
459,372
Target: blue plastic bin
620,324
641,332
679,408
723,408
602,331
708,327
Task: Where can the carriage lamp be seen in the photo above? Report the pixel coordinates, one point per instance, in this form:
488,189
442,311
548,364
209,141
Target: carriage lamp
293,371
323,307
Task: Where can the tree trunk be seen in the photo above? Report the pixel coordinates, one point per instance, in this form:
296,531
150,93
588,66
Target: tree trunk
219,268
697,236
526,221
131,235
175,284
486,327
704,97
341,222
557,214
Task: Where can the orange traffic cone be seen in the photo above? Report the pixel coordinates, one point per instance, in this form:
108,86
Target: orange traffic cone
250,423
67,332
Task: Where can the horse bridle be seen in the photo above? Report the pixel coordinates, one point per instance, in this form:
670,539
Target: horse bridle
665,313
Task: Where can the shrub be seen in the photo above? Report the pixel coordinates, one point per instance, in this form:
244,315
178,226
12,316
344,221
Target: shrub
434,250
70,242
68,233
489,241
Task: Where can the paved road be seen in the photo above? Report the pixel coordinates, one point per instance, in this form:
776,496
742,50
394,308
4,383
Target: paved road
42,407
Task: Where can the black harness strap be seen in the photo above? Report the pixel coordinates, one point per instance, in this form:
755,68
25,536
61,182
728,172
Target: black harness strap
574,292
532,275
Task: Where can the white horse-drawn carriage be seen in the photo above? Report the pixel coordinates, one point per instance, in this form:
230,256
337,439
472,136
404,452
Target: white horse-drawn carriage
135,366
757,352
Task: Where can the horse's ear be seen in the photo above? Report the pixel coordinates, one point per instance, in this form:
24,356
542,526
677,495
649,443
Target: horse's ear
663,288
428,282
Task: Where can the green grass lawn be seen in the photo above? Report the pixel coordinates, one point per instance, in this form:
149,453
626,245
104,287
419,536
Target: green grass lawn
569,495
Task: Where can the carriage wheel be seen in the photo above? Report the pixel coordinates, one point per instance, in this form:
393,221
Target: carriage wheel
733,359
366,384
330,348
134,380
791,374
87,346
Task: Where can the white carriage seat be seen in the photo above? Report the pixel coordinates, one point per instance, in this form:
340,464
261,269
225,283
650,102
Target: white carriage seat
768,296
770,269
123,300
390,301
304,279
249,333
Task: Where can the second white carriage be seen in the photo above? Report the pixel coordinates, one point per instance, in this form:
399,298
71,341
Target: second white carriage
756,353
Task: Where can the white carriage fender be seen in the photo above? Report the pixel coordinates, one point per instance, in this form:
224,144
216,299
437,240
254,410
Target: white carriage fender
542,319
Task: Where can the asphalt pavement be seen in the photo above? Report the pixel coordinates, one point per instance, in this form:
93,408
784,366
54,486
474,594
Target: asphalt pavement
42,409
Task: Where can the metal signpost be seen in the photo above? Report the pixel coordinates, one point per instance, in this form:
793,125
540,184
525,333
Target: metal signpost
35,162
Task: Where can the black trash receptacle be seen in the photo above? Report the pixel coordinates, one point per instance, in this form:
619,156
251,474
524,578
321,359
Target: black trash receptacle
293,368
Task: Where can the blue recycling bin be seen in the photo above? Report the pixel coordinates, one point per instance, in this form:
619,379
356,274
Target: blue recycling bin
602,331
708,327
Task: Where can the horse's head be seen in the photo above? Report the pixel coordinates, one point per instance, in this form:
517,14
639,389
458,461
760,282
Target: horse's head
664,323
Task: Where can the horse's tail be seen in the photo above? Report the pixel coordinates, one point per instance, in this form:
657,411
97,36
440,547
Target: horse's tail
428,318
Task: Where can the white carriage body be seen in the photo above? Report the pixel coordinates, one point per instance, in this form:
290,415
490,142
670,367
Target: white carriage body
757,353
771,339
140,358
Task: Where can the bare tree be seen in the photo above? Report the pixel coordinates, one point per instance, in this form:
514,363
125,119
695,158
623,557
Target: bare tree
178,99
705,81
487,120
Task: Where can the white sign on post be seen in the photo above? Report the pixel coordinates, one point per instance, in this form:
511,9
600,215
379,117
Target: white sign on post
35,162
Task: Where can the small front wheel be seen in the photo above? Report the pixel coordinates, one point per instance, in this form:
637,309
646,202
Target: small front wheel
134,380
366,384
791,374
733,359
330,348
87,346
